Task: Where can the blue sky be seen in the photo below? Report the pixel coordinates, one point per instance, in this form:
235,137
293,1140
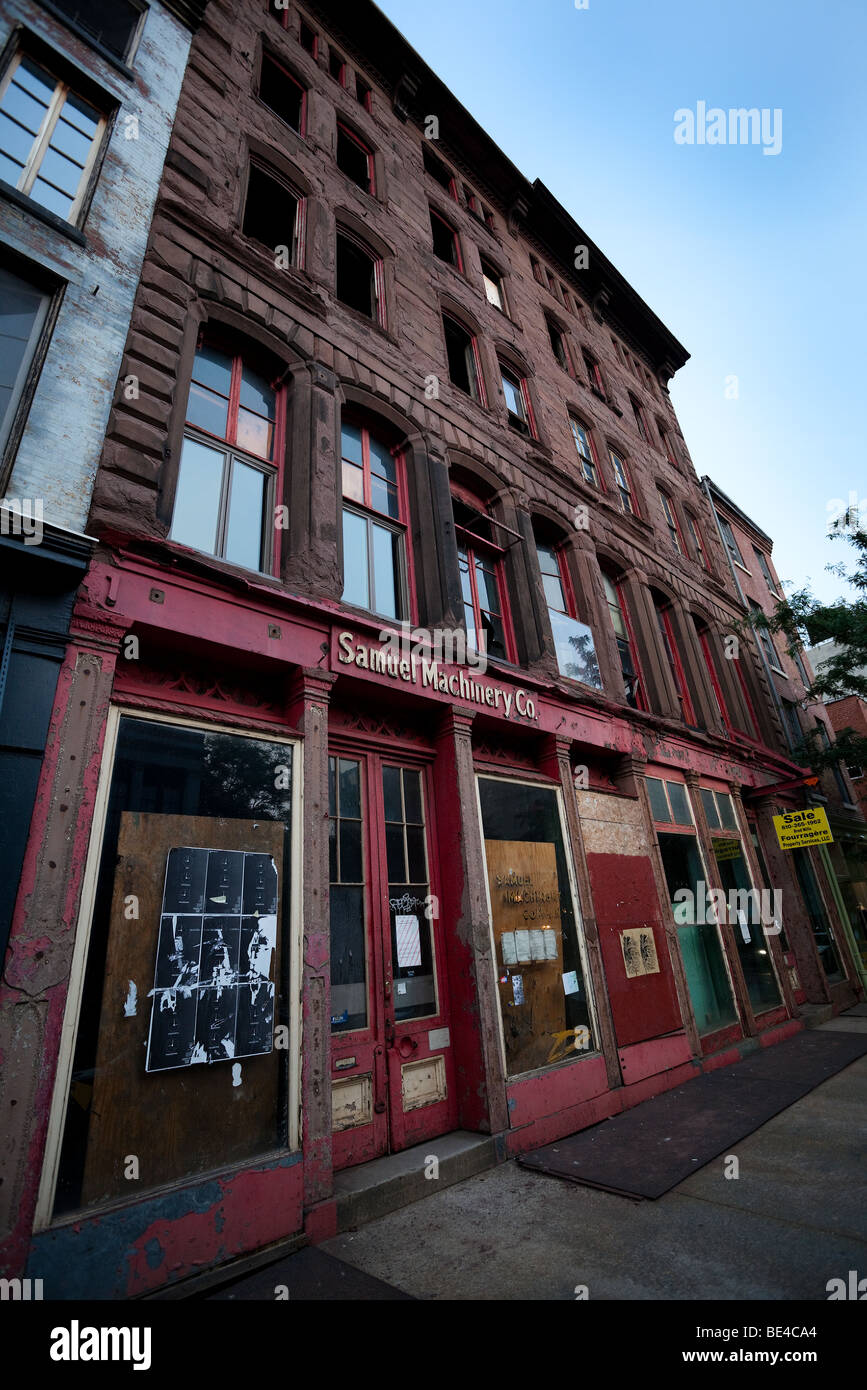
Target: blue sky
755,262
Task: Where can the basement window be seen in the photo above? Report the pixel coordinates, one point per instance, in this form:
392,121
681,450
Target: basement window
272,213
354,159
280,91
359,278
445,241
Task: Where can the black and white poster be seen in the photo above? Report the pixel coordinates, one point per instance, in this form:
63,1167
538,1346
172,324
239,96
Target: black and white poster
213,994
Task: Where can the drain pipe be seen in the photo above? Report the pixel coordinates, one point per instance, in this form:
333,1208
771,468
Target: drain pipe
775,694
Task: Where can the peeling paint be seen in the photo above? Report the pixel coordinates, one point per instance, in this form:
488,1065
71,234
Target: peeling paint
131,1002
236,1074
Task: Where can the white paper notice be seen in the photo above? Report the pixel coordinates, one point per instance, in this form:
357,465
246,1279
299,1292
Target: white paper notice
522,945
408,941
550,944
507,944
537,944
570,982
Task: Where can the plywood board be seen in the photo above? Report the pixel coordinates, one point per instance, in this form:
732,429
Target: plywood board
525,907
190,1119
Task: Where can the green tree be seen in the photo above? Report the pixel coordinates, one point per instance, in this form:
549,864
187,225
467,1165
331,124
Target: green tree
801,615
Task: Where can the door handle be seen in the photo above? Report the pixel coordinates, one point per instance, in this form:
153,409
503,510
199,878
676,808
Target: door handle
389,1032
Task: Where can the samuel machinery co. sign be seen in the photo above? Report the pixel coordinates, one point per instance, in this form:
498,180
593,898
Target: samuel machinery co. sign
418,665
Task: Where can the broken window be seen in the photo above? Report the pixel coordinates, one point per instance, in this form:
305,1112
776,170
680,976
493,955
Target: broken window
308,39
445,241
463,363
437,170
279,90
363,93
517,401
493,286
272,213
558,344
111,23
355,159
337,67
358,277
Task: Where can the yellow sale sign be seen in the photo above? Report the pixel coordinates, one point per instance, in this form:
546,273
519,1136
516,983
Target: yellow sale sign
799,828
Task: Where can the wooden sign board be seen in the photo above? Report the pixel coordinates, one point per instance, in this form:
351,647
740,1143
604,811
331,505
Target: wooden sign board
525,906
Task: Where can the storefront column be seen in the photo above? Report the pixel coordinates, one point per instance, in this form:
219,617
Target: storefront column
309,699
558,763
36,979
475,1005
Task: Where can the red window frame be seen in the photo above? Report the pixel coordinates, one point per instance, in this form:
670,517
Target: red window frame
473,544
594,372
302,120
554,327
630,509
496,279
669,641
640,421
363,93
669,511
297,261
623,606
481,396
536,269
598,481
665,440
451,188
558,551
698,541
314,48
458,263
366,151
380,317
340,76
401,521
704,640
747,701
509,373
276,461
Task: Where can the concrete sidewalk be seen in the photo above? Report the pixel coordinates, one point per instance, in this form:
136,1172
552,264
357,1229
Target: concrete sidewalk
795,1217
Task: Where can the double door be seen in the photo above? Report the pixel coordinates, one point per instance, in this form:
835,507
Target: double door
392,1069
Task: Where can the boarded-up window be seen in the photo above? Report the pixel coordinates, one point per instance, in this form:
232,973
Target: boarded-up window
179,1061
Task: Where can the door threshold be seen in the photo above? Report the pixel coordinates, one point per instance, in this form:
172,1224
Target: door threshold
373,1189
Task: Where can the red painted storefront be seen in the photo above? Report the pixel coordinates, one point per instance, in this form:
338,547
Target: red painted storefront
246,657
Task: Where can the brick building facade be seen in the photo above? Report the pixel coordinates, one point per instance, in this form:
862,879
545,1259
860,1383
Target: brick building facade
388,880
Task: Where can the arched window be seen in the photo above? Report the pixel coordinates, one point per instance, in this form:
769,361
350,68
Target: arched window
573,640
360,281
483,580
706,643
375,515
586,452
624,484
630,668
230,462
663,611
